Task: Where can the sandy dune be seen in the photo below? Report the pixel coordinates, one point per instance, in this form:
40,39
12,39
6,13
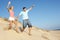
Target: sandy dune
37,34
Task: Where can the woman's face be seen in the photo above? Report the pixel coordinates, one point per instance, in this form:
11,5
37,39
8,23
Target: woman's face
12,7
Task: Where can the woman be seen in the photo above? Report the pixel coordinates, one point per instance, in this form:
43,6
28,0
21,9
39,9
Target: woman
12,18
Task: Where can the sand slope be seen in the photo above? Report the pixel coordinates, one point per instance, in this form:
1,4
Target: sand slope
37,34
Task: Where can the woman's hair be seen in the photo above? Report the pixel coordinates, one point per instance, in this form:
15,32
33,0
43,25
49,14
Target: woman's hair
9,8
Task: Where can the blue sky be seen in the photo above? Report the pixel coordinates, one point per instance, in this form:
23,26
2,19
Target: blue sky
45,14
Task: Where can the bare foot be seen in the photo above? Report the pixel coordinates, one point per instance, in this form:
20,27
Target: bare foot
21,29
7,28
29,34
16,30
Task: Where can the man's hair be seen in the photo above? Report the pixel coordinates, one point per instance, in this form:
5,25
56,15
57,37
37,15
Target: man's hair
24,8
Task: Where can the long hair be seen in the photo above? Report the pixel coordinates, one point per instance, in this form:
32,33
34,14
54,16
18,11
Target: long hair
9,8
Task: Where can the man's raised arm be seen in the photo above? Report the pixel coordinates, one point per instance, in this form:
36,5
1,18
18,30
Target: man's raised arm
31,7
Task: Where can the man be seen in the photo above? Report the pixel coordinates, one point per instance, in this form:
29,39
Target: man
26,21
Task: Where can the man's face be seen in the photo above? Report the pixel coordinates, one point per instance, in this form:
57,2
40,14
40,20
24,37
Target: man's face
25,9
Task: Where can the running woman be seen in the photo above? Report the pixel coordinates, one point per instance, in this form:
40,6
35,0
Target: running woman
12,17
26,21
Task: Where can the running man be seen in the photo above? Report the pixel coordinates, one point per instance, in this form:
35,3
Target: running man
12,17
26,21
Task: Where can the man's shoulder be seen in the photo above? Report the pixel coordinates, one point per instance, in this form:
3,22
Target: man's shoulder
21,12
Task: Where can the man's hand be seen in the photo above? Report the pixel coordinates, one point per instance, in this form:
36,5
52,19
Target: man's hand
32,7
16,18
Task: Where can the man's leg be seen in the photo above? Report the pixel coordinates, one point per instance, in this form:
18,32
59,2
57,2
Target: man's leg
29,27
24,25
29,30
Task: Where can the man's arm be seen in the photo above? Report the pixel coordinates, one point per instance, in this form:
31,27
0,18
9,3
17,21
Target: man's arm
31,7
19,15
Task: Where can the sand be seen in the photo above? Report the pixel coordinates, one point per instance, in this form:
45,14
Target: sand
37,34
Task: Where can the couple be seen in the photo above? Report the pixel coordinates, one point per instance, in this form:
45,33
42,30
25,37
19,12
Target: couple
25,17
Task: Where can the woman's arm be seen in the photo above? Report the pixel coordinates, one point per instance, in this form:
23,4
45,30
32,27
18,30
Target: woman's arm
8,4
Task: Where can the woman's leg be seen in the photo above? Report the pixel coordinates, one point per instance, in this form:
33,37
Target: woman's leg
10,24
16,26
